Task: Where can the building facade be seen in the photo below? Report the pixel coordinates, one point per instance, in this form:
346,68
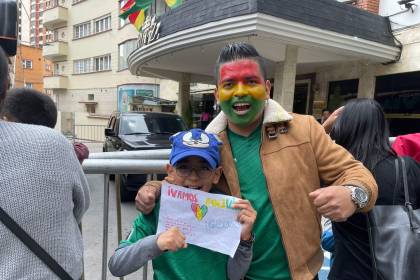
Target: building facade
89,46
30,68
318,53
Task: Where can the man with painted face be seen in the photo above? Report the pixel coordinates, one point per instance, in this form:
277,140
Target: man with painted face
277,161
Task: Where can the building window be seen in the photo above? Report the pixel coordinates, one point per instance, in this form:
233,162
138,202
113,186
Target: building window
103,24
28,85
81,30
27,64
91,97
340,92
124,50
123,21
102,63
82,66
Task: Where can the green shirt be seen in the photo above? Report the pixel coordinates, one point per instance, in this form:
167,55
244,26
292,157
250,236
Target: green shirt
191,263
269,257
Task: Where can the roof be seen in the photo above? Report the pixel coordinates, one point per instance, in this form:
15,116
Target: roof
328,15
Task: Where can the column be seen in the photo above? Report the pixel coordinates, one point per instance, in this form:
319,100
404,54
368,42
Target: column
284,78
183,107
366,88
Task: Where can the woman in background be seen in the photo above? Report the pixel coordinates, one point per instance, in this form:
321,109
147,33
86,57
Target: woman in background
361,128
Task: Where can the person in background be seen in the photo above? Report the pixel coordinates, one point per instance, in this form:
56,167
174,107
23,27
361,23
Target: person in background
25,105
194,164
408,145
43,188
277,161
361,128
205,119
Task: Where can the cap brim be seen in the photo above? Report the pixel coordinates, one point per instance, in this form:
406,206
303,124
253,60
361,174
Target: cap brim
197,153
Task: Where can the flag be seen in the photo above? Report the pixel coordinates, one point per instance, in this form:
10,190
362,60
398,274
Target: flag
173,3
133,6
137,19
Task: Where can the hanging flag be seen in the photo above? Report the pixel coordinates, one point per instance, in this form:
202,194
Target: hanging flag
133,6
173,3
137,19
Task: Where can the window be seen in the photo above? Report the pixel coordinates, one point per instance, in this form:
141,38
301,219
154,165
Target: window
103,24
89,65
81,30
340,92
27,64
123,21
82,66
91,97
102,63
124,50
28,85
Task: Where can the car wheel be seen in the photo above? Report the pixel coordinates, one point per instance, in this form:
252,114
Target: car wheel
125,194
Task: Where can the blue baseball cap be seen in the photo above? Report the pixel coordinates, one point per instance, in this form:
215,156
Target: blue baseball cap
195,142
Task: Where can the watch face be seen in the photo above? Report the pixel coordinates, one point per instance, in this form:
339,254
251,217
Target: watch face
360,195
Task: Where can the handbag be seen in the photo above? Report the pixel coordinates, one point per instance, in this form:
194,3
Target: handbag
394,236
33,246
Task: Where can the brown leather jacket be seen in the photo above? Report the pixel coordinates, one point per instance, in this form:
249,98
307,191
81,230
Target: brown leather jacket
296,156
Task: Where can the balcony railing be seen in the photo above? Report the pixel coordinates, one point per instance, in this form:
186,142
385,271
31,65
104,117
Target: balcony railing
55,50
55,14
55,82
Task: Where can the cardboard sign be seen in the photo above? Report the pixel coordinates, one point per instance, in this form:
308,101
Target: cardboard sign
207,220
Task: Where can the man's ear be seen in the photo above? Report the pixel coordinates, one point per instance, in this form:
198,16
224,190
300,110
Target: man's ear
267,89
216,94
217,174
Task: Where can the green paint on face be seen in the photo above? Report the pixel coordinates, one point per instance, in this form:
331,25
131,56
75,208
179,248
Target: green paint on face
242,118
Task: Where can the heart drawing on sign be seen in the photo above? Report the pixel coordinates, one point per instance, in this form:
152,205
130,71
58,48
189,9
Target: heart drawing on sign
199,211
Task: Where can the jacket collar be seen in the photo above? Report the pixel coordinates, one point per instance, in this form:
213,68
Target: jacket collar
273,113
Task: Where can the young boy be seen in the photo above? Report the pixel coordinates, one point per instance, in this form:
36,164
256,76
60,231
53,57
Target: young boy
29,106
194,161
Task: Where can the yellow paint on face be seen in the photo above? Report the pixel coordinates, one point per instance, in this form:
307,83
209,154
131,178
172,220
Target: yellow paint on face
256,91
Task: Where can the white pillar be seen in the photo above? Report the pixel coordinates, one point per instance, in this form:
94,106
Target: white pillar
284,78
366,88
184,96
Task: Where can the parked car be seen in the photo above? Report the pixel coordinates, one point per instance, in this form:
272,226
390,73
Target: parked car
129,131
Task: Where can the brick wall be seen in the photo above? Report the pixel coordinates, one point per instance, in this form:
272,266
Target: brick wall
369,5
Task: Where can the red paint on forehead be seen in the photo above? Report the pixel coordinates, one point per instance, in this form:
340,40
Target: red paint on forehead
239,70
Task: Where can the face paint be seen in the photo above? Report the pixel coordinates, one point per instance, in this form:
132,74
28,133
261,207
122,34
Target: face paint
241,91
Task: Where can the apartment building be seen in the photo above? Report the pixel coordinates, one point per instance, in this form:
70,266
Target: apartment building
31,67
37,31
23,21
89,45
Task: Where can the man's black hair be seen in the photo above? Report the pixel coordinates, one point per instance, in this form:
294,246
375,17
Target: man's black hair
29,106
236,51
4,74
326,110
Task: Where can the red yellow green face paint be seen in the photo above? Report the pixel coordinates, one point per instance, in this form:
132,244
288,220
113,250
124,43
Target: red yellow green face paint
241,91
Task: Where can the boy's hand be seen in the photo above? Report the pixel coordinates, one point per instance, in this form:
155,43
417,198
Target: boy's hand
171,240
146,198
246,217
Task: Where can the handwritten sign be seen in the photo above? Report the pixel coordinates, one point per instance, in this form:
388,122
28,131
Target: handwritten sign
207,220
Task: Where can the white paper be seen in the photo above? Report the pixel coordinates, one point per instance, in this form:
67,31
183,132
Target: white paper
207,220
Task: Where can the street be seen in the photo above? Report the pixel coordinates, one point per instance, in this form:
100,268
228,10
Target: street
92,229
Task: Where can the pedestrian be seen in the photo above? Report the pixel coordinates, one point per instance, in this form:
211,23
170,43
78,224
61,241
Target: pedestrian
326,113
194,164
44,190
408,145
205,119
277,161
30,106
361,128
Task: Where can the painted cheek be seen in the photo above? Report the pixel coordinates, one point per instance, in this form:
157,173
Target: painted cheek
258,92
225,94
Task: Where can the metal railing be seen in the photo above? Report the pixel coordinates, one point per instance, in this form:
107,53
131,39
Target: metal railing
89,133
149,162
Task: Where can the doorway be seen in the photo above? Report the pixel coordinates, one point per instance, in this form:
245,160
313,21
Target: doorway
301,99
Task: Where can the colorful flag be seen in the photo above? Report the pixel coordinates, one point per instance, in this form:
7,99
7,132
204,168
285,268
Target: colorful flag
133,6
137,19
173,3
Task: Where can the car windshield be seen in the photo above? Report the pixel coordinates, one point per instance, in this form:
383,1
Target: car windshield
143,124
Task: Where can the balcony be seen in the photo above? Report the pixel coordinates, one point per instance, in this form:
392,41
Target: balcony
55,16
56,82
55,51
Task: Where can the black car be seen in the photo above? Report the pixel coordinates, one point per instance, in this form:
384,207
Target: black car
139,131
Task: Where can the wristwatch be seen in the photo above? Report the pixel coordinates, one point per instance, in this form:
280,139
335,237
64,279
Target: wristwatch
358,196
